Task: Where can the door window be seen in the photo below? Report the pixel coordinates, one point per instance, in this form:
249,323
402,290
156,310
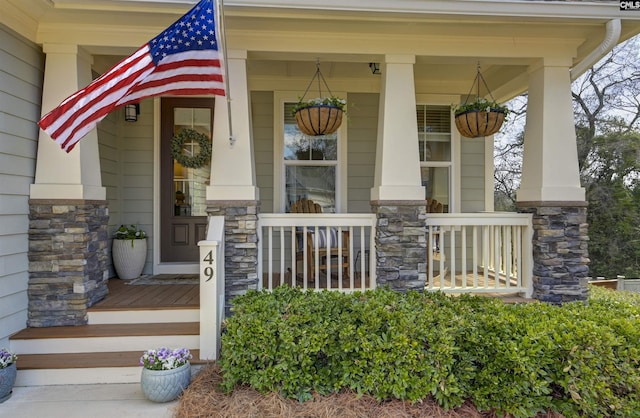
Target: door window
189,184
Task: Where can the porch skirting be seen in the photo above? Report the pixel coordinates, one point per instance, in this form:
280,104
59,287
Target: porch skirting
560,250
241,245
68,260
401,244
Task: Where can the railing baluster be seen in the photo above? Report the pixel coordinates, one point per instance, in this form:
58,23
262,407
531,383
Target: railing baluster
507,250
475,256
352,266
463,256
486,250
316,249
305,275
351,263
372,257
518,252
496,255
270,271
282,250
440,247
340,259
363,255
328,250
452,240
294,261
430,258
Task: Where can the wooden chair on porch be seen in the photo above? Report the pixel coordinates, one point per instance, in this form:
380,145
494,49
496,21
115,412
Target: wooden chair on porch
433,206
325,256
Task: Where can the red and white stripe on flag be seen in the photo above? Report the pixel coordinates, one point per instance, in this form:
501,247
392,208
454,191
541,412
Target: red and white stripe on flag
189,66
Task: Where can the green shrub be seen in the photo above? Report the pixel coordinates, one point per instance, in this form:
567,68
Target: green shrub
512,359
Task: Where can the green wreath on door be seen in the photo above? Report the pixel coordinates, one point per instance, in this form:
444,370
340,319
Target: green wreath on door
190,135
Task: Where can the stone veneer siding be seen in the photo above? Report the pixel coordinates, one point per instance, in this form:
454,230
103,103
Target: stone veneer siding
401,244
241,245
68,257
560,250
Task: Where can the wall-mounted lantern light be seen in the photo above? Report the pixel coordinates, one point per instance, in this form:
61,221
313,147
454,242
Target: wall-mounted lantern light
131,112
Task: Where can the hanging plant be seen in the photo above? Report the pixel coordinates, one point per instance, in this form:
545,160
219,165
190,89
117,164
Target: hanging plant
201,159
322,115
481,117
319,119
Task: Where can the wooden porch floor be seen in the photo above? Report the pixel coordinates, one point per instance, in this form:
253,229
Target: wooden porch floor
145,297
187,296
485,284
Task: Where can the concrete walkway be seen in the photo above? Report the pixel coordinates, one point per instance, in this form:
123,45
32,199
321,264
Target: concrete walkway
83,401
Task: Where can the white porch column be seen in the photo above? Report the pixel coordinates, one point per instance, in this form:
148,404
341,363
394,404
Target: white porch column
59,175
397,173
550,164
232,164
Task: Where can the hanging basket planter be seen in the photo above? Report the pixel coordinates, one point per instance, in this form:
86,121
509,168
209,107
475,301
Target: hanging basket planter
319,119
476,123
481,117
320,116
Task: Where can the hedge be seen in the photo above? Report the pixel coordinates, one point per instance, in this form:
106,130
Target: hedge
517,359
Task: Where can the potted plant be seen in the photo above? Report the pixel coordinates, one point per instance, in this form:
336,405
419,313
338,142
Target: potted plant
165,373
480,117
8,373
129,251
319,116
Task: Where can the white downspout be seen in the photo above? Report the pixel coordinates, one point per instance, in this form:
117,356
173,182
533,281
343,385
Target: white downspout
610,40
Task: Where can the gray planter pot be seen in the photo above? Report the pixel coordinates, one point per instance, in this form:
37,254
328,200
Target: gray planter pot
7,380
165,385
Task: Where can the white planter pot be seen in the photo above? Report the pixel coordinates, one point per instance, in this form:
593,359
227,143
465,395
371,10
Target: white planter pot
129,257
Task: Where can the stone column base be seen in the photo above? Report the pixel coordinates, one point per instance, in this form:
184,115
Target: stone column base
401,244
68,259
241,245
560,251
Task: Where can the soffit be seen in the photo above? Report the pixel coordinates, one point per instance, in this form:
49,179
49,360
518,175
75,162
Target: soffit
114,28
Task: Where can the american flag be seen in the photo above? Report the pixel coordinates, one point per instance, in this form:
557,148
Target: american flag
182,60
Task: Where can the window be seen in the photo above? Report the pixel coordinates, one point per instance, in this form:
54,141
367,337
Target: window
310,165
434,139
189,184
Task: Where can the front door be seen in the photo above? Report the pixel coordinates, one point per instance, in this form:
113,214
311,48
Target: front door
186,127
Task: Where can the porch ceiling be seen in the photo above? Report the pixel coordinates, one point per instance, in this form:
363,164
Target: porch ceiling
436,75
449,38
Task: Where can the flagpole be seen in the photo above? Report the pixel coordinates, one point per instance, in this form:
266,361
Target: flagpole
223,41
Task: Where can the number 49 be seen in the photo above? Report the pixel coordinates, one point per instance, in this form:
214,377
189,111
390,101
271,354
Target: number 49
209,271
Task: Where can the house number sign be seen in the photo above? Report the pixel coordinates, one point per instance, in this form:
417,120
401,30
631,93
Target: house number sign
210,270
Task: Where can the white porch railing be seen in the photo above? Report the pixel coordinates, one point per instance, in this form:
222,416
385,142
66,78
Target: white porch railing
479,252
317,251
